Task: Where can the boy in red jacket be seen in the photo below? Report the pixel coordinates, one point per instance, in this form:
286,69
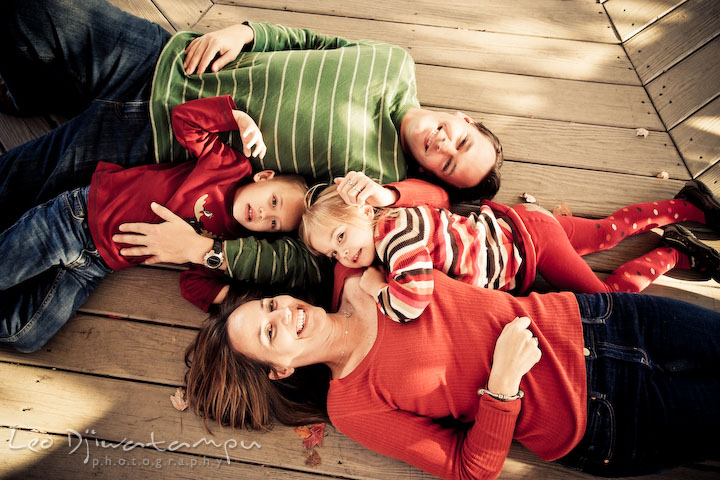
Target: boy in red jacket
63,248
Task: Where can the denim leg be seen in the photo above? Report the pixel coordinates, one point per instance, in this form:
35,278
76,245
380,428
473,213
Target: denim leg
653,384
50,267
87,58
66,53
66,158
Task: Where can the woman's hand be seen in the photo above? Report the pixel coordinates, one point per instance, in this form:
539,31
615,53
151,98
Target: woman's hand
173,241
250,133
516,352
228,43
356,188
372,281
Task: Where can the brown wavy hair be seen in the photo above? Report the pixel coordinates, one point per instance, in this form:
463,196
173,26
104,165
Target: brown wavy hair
235,390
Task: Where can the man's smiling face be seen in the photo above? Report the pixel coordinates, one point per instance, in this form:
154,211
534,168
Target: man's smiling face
449,146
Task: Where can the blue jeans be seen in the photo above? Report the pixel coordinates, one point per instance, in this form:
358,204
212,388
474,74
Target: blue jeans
50,266
87,59
653,384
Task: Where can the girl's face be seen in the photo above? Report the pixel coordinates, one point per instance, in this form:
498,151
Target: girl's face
352,244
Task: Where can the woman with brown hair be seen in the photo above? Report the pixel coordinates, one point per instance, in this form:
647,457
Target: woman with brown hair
612,384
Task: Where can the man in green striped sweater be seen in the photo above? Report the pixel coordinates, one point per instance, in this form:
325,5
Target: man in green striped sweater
325,106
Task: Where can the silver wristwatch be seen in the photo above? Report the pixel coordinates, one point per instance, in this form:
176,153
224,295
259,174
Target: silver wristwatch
214,258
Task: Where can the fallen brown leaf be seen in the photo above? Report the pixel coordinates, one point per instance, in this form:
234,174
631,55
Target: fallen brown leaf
178,400
562,210
312,458
312,435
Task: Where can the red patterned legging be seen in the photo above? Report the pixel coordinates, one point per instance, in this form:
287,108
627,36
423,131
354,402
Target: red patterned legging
561,241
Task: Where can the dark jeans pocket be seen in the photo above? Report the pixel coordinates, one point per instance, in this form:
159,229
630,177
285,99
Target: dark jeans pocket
595,451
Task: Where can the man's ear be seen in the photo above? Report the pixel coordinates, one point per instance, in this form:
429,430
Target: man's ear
462,116
282,372
263,175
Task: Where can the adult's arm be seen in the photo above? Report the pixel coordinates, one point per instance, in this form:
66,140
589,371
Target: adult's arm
228,42
285,260
446,452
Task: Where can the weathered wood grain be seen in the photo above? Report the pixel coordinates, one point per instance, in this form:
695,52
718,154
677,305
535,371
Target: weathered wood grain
146,294
698,137
476,50
548,98
548,18
631,16
183,15
578,145
673,37
688,86
144,9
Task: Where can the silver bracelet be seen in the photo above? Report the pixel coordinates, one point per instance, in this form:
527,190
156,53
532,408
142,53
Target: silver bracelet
503,398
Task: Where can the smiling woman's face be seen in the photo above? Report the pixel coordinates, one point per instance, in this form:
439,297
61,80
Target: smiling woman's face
281,331
449,146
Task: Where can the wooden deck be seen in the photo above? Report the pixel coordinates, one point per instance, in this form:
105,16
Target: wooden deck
564,84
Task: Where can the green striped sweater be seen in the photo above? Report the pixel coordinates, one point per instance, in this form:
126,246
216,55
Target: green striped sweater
325,106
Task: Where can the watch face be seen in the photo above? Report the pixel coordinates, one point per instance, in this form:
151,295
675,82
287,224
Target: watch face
213,261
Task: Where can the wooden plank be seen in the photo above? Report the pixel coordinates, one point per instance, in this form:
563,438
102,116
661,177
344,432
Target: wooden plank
548,98
15,131
454,47
711,178
183,15
53,401
52,453
698,137
116,348
591,147
144,293
631,16
587,193
688,86
673,37
144,9
550,18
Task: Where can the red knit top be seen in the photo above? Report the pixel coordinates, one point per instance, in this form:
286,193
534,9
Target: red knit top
432,368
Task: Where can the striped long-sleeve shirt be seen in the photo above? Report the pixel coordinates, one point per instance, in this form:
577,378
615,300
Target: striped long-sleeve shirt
325,106
477,249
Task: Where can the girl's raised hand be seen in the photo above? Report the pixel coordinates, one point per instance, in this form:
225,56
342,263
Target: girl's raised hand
516,352
356,188
250,134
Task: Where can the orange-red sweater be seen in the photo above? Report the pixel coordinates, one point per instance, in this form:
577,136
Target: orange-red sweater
432,368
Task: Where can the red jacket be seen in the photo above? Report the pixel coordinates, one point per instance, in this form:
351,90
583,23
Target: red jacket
201,191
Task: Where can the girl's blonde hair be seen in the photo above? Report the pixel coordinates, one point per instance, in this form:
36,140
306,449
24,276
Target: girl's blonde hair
328,209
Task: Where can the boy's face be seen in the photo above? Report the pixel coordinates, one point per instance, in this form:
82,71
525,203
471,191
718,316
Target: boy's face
269,204
351,244
449,146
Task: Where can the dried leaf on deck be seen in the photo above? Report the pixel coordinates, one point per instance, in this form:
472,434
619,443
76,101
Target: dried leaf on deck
312,458
664,175
642,132
178,400
528,198
562,210
312,435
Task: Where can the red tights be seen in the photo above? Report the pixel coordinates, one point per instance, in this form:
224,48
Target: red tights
560,243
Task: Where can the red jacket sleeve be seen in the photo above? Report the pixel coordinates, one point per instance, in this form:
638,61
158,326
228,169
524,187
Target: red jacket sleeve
196,125
413,192
200,286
